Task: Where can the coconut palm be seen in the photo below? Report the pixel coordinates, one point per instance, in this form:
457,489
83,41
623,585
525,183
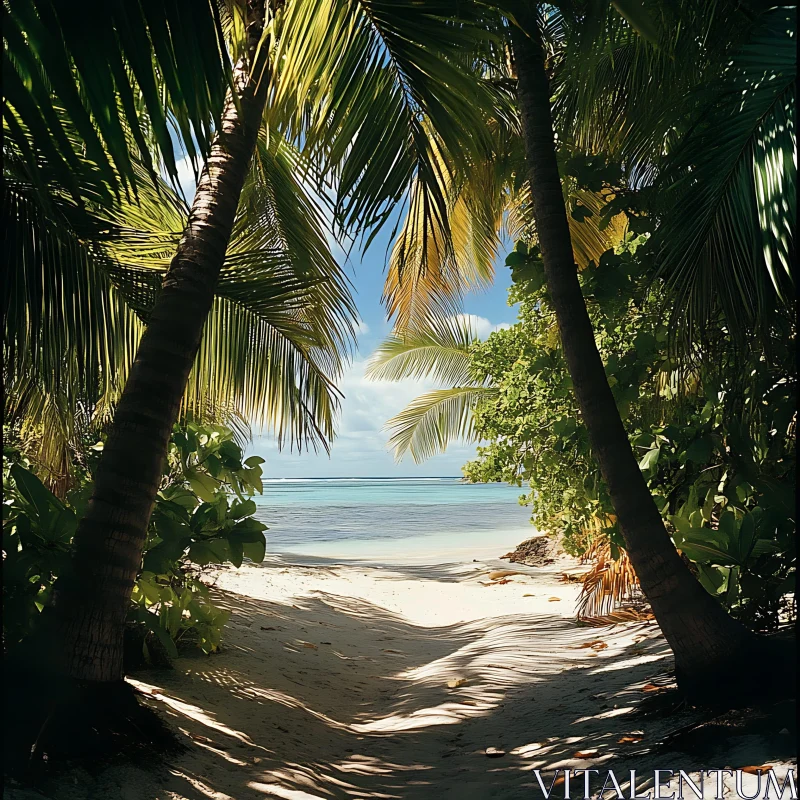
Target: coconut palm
345,80
709,645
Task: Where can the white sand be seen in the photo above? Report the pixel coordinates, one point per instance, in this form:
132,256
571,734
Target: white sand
351,680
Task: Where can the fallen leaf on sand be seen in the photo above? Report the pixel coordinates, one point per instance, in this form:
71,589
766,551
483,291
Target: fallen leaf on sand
456,682
754,770
592,655
256,760
269,628
395,652
494,752
502,581
591,644
629,739
586,754
309,645
599,646
651,687
203,739
529,595
326,642
502,573
553,599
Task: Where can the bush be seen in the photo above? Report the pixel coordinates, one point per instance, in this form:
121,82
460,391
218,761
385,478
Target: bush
203,515
715,439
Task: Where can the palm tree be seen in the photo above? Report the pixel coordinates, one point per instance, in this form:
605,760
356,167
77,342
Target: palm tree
272,347
91,599
343,80
709,646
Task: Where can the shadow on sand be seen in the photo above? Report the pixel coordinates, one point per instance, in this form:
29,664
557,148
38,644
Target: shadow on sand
333,697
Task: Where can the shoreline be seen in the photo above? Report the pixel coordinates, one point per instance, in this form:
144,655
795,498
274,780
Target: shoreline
429,548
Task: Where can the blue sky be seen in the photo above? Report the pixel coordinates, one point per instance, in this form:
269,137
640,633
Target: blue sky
360,449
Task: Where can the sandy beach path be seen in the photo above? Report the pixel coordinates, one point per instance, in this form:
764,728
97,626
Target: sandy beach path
354,680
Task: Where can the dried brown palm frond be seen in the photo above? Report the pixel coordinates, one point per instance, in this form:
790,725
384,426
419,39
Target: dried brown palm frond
608,584
623,615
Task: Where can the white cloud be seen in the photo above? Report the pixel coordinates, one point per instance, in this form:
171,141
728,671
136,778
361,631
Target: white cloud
186,178
481,326
361,328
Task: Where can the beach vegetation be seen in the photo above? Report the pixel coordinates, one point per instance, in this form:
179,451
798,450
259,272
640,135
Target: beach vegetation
203,515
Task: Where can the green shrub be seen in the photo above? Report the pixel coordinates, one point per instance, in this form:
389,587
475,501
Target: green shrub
203,515
715,441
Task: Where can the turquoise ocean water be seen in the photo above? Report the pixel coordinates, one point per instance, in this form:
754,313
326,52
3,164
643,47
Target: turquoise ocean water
345,516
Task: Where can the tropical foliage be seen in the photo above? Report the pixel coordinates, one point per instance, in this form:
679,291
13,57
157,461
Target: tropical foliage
687,143
203,515
274,342
676,150
440,351
718,456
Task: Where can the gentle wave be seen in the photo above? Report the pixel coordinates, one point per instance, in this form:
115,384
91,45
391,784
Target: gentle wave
301,512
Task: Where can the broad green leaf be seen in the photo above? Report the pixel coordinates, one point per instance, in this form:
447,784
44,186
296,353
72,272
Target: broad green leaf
203,485
255,551
707,554
215,551
649,462
242,509
699,451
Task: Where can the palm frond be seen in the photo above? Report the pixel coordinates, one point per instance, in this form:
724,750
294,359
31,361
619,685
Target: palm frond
589,240
279,332
126,76
440,350
431,421
51,425
727,245
434,261
622,94
608,584
64,319
379,91
269,370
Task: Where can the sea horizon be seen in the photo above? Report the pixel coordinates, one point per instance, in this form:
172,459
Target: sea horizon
369,478
338,515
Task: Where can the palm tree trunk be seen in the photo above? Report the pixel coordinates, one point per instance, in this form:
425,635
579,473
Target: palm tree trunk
92,600
706,641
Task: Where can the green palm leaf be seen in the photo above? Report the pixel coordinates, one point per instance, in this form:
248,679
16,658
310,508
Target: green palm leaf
276,339
431,421
123,75
439,350
385,94
728,244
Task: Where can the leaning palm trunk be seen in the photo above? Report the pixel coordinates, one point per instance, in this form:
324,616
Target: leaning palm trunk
92,599
708,644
